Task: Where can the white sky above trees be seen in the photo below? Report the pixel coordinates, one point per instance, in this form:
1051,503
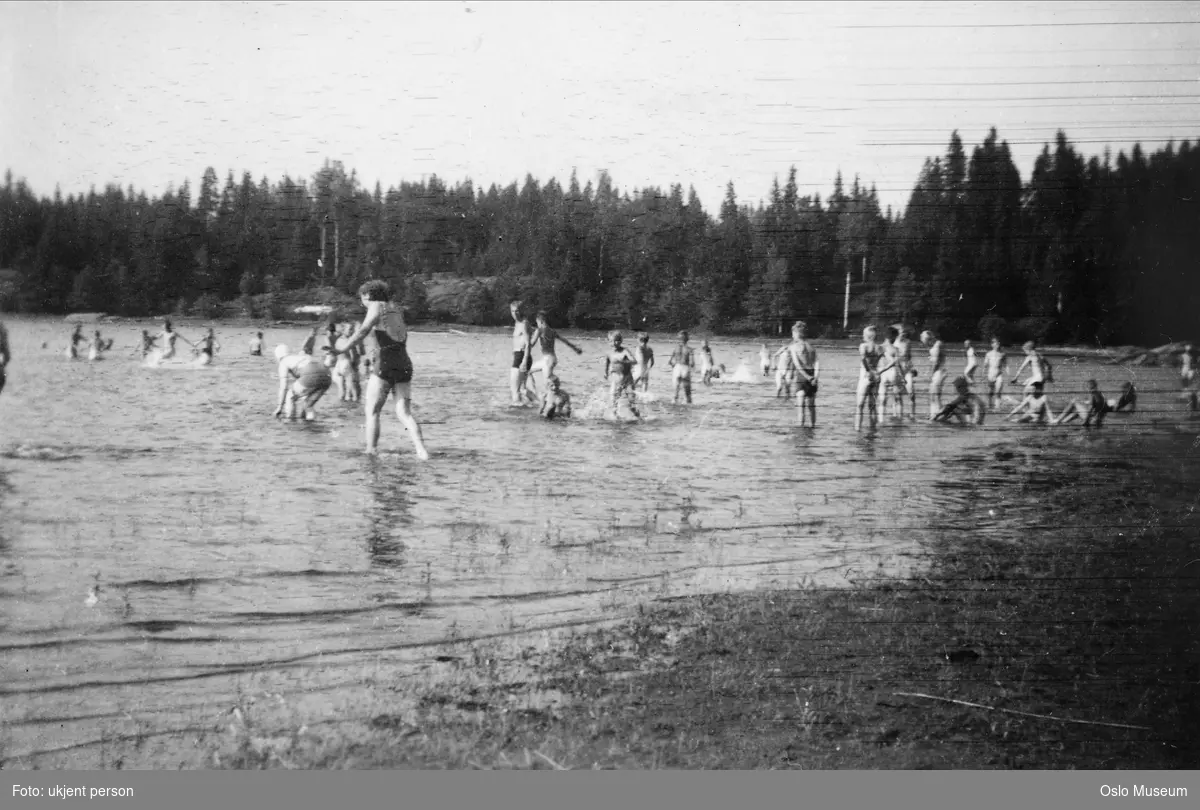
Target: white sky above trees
149,94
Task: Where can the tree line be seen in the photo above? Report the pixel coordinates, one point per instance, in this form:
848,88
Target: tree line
1087,250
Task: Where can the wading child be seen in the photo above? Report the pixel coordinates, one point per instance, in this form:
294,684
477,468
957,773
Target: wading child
995,365
1039,369
256,344
805,372
618,370
708,367
545,337
870,353
937,370
681,362
972,364
645,361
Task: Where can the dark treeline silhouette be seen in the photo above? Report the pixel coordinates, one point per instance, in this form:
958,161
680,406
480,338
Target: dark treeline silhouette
1087,250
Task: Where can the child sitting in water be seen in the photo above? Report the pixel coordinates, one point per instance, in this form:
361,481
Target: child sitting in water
964,405
1034,407
1128,399
1094,409
555,401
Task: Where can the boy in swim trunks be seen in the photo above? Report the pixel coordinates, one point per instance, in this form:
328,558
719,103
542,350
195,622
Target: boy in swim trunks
618,370
1187,374
645,361
345,368
995,365
256,345
206,346
1094,409
545,337
303,379
937,370
5,353
522,349
555,402
892,381
681,362
385,336
764,359
805,372
964,406
76,338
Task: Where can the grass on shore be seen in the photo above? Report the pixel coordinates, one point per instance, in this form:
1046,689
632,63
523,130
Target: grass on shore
1096,630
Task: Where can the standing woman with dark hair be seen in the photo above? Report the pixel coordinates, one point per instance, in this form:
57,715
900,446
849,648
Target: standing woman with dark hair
385,335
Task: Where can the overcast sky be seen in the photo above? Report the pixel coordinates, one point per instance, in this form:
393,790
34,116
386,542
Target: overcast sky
657,93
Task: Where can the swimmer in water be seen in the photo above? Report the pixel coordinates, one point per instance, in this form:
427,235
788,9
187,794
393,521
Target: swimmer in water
708,367
681,362
5,353
545,337
995,365
644,356
556,403
806,372
256,345
206,347
1187,373
522,355
76,338
937,370
384,334
303,379
764,359
972,364
870,355
965,405
1037,367
1093,409
168,336
1034,407
618,370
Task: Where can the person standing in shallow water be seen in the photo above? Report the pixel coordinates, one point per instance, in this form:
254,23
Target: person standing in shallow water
385,336
5,354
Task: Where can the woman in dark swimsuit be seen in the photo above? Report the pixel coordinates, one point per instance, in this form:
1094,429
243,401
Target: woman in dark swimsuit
385,336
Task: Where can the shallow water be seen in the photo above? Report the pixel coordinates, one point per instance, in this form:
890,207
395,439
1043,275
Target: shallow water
167,547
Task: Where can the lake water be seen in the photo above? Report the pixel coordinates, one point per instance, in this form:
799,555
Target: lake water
167,548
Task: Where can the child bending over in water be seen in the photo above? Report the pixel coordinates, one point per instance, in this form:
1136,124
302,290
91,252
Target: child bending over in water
964,406
303,379
555,401
1034,408
1094,408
